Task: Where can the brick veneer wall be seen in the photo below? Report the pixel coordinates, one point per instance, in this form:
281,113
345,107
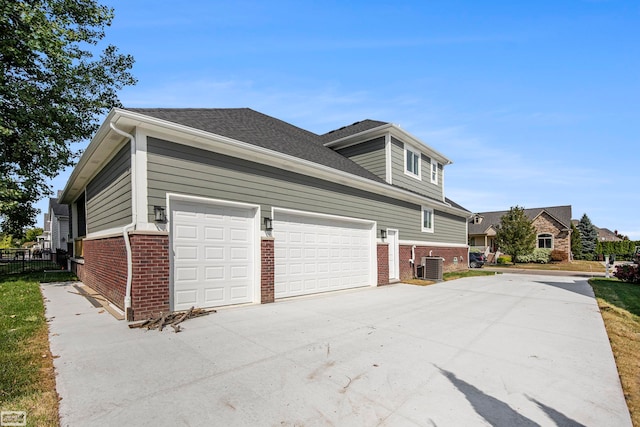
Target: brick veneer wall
267,279
150,284
561,239
105,268
383,264
408,271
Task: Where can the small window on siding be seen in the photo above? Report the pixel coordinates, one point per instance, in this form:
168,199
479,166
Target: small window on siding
411,162
434,172
427,220
545,241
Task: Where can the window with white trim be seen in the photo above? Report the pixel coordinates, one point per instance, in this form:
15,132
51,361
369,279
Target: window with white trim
545,241
434,172
427,220
411,162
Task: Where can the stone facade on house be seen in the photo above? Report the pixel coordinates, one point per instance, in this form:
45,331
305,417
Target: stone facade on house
552,225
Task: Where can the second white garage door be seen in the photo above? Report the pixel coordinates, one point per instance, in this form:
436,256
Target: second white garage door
321,253
213,254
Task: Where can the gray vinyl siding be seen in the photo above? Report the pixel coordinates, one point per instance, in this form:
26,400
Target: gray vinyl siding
109,194
185,170
423,186
370,155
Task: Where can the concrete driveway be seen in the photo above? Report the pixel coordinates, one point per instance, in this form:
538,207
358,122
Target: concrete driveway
506,350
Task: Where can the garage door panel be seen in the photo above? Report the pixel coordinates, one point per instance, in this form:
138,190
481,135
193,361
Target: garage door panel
316,254
238,235
238,292
214,295
214,273
187,252
239,272
214,233
186,232
186,297
239,253
213,254
187,273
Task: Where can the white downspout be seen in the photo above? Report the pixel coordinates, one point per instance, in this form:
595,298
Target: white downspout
134,220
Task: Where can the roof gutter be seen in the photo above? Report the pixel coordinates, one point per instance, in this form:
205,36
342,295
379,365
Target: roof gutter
231,147
134,219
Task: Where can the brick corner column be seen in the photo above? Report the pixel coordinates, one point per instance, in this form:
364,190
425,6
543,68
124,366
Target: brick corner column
267,275
383,264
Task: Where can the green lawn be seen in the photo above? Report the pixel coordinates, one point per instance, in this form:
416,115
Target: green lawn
619,304
27,381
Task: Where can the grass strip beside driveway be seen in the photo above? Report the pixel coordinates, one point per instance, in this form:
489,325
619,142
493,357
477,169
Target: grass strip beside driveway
619,304
577,265
27,379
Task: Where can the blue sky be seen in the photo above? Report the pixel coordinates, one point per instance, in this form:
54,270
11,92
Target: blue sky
537,103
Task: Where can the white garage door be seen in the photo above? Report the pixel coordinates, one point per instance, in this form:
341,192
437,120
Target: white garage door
213,254
318,254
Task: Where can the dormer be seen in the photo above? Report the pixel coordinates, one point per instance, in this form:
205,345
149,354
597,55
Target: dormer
477,219
392,154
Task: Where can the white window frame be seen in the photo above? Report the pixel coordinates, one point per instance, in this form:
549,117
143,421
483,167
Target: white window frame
544,236
434,172
427,229
409,149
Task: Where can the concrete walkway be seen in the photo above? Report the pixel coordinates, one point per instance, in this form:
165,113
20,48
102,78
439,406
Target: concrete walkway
505,350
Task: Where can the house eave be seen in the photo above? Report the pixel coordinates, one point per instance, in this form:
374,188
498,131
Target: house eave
395,131
128,120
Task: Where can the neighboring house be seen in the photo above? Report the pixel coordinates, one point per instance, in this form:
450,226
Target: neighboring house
173,208
44,240
604,234
552,224
58,224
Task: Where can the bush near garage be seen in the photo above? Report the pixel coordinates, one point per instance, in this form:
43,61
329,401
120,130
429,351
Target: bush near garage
540,256
628,273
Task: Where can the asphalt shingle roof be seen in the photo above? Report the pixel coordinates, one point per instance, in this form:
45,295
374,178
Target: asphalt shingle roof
247,125
253,127
561,213
353,129
58,209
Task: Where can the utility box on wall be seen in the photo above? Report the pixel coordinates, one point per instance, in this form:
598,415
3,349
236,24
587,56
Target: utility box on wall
432,267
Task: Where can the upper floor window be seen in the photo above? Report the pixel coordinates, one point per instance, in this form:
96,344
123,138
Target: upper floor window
411,162
545,241
434,172
427,220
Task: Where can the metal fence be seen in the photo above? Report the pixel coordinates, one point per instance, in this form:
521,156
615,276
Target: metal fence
16,260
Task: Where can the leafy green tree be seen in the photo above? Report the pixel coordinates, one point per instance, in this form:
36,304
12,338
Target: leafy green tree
576,242
516,235
588,236
52,91
6,241
31,235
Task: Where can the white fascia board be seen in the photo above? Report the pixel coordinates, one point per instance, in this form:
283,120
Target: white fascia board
87,168
395,131
212,142
220,144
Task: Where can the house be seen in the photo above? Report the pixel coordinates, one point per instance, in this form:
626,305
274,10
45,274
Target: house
58,225
173,208
552,224
44,240
604,234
